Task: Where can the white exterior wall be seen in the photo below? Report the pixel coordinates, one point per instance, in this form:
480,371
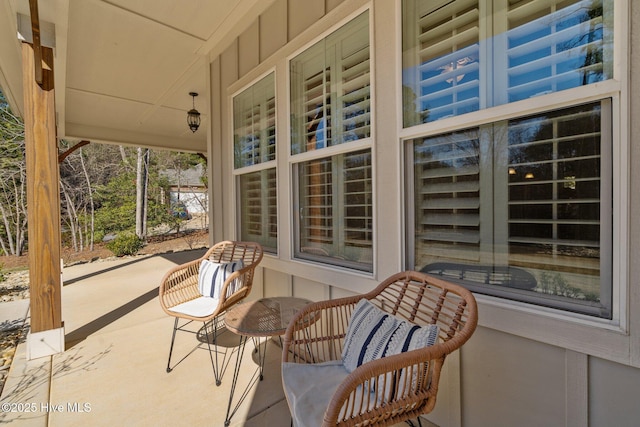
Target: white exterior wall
524,366
195,201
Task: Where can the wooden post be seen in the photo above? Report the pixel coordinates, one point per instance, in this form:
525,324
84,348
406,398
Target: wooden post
43,206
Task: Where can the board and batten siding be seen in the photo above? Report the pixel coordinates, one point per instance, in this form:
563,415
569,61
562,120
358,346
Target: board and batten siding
522,367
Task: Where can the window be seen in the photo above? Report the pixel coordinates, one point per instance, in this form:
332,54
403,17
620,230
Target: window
520,206
259,212
254,161
254,124
519,209
464,55
330,103
336,210
331,90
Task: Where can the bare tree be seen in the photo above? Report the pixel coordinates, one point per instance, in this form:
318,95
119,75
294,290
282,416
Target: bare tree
90,235
72,218
142,181
81,173
12,182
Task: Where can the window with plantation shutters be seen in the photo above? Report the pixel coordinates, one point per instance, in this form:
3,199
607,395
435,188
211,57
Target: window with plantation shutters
556,168
357,212
316,204
330,90
331,110
517,209
259,208
553,45
336,210
447,182
254,124
441,63
460,56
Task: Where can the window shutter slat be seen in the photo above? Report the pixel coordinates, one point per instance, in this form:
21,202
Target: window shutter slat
448,186
448,54
552,47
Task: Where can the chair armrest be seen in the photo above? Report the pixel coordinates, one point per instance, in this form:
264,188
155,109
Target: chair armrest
242,280
179,284
396,384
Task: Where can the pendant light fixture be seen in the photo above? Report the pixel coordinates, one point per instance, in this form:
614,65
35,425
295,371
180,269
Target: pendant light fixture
193,115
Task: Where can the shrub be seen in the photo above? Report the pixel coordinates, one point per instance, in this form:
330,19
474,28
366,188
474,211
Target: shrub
98,235
125,244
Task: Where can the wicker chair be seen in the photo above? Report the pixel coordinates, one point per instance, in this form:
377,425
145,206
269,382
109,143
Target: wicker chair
180,296
400,387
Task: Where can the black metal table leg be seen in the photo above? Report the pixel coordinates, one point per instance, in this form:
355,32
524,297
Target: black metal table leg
262,353
257,375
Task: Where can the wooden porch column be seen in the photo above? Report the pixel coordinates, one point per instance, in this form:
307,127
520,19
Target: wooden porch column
43,206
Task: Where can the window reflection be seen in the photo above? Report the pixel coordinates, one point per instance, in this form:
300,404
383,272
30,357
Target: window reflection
536,48
517,205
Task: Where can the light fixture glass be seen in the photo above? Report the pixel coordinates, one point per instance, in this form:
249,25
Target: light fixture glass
193,115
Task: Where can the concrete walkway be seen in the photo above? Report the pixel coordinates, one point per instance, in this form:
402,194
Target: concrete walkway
13,314
113,370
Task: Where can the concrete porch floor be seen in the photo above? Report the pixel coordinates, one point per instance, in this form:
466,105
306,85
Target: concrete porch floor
113,371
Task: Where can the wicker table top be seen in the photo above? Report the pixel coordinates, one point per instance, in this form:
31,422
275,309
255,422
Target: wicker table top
266,317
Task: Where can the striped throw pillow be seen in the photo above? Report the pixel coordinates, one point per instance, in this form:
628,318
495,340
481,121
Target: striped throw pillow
212,275
373,334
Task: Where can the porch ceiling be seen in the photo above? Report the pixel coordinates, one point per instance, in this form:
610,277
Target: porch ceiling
124,68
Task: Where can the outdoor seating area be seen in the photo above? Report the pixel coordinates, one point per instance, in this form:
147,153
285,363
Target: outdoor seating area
113,371
482,150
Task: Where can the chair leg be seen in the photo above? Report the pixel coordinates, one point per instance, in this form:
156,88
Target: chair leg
208,336
173,338
214,364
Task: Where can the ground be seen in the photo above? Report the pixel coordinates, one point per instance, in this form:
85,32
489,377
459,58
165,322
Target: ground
157,244
16,283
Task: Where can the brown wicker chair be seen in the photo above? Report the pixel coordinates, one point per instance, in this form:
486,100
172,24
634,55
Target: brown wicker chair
179,292
398,387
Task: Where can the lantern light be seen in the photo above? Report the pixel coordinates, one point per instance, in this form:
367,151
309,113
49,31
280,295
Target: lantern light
193,115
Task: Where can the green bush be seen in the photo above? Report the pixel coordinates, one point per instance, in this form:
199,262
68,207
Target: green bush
125,244
98,235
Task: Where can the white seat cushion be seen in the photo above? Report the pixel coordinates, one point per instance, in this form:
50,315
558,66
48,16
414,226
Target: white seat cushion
199,307
308,389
